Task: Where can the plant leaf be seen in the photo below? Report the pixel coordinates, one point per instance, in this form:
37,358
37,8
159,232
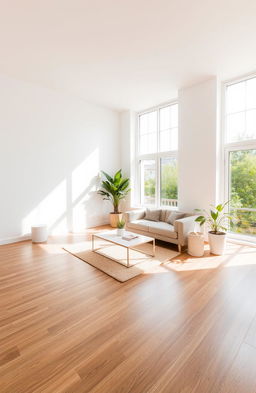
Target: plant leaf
117,177
114,189
214,215
202,222
199,219
107,177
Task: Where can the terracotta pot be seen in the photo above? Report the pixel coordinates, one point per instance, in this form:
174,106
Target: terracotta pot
217,242
114,218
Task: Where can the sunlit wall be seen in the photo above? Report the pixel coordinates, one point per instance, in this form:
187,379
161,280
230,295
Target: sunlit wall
52,149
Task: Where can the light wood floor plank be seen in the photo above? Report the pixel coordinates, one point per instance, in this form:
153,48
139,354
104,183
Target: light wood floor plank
242,375
65,327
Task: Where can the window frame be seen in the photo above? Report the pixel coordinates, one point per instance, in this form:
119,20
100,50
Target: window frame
152,156
229,147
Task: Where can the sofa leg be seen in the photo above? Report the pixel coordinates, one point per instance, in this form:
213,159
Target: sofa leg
179,247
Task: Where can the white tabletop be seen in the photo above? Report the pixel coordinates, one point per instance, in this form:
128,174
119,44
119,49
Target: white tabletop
111,236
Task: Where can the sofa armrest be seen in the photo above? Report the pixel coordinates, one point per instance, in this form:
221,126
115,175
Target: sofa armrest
183,227
134,215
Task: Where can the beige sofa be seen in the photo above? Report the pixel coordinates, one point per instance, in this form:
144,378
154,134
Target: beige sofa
161,230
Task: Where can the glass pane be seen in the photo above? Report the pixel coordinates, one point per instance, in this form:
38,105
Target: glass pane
148,143
148,182
245,223
143,124
243,190
174,139
251,93
174,115
169,117
165,140
165,118
148,123
251,124
169,182
236,97
236,127
148,132
169,140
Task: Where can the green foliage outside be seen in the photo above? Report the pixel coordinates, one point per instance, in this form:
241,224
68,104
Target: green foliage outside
243,190
150,187
243,187
169,181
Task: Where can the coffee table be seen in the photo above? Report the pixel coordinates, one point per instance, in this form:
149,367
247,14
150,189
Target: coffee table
112,237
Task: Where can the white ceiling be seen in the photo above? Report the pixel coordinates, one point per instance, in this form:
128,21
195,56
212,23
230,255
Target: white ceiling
126,53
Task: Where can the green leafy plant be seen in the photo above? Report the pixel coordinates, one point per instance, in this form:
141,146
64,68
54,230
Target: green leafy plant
114,189
216,218
121,224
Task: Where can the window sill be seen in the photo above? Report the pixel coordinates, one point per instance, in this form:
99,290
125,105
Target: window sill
154,207
242,239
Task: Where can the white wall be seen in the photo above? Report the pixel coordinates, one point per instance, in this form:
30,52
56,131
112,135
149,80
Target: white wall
51,151
198,145
127,127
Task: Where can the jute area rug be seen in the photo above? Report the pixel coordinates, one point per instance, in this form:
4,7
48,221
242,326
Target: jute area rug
140,262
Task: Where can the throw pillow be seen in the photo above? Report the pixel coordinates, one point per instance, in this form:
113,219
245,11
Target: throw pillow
174,216
152,214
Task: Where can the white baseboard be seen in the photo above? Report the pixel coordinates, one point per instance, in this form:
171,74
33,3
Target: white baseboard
16,239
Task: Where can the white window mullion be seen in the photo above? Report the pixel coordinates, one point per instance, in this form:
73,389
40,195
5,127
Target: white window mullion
158,181
157,161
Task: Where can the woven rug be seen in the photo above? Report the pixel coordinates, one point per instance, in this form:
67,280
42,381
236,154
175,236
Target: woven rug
140,262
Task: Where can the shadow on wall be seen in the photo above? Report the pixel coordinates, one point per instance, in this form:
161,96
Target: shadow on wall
74,203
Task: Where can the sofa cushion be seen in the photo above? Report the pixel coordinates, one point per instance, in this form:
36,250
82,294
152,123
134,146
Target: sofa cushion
169,213
162,228
163,215
175,215
139,224
152,214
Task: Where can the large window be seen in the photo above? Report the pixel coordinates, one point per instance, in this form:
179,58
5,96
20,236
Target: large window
241,111
240,154
157,156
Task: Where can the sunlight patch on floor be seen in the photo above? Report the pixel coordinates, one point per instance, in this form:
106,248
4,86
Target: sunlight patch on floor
235,255
194,264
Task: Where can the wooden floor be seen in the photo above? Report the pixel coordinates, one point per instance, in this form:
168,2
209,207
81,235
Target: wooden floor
66,327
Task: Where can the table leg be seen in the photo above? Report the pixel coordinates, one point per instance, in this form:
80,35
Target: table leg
154,247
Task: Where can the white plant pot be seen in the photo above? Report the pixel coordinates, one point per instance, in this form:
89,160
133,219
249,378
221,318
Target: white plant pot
217,243
120,232
196,244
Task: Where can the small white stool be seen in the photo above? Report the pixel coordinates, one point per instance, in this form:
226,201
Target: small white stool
39,233
196,244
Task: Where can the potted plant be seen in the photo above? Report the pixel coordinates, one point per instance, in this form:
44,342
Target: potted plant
217,220
120,227
114,189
